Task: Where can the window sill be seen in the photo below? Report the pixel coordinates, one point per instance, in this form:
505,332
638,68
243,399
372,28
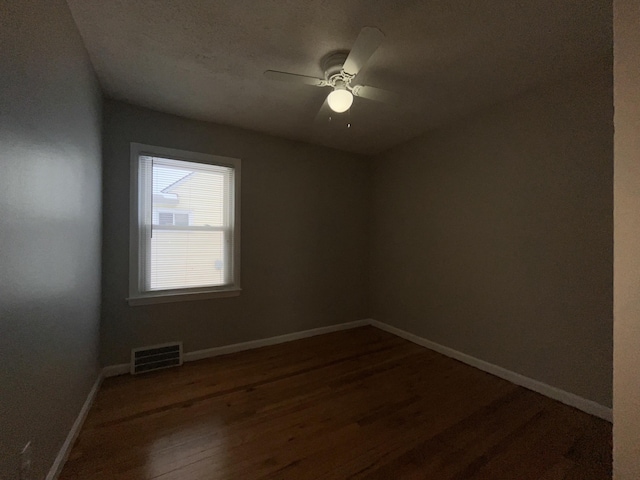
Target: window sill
152,298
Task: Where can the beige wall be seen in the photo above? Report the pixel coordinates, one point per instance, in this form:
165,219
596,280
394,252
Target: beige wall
493,236
50,212
304,237
626,371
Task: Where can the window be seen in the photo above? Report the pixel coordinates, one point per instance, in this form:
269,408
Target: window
185,235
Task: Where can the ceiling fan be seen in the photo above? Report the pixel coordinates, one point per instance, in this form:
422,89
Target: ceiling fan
340,71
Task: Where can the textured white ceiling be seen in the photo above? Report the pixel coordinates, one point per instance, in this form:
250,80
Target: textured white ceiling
205,59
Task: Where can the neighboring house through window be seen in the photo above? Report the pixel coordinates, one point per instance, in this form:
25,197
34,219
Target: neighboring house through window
185,238
168,217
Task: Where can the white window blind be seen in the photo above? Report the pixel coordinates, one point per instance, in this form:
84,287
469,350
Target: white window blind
186,224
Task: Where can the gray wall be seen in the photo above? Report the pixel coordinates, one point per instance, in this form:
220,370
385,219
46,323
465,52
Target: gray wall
626,387
493,236
50,192
304,237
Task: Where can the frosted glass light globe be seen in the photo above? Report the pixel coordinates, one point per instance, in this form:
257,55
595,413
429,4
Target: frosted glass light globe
340,100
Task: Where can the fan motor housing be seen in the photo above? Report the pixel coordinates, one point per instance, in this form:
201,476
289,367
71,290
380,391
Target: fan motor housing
333,62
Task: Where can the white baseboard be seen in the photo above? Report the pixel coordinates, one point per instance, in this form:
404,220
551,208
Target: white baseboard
123,368
65,450
588,406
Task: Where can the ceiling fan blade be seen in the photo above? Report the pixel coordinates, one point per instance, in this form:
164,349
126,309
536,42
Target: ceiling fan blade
324,115
295,78
377,94
366,44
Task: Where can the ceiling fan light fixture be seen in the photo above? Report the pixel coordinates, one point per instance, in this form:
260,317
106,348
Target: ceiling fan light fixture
340,100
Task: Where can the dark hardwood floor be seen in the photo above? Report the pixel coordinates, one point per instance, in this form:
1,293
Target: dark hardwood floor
357,404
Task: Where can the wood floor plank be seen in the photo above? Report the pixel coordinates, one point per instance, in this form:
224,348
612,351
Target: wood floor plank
358,404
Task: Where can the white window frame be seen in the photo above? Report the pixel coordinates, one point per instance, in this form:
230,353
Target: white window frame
136,295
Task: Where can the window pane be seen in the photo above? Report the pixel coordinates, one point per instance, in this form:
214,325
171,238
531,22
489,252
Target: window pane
183,259
187,211
201,192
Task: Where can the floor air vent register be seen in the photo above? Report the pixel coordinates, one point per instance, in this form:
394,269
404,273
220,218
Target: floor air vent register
156,357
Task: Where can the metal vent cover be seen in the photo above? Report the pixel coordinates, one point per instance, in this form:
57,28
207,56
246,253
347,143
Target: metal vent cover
156,357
